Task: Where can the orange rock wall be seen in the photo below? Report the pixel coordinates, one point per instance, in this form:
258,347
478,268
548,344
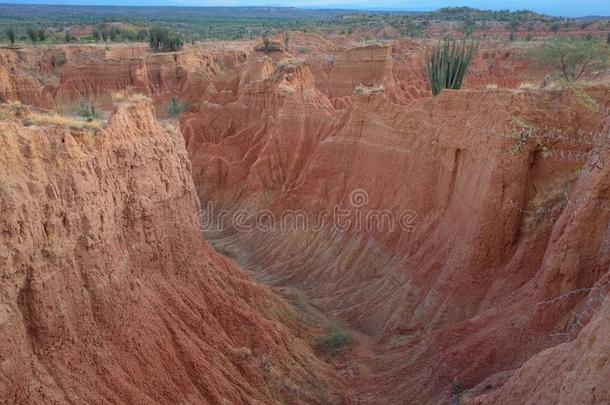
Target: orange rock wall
109,292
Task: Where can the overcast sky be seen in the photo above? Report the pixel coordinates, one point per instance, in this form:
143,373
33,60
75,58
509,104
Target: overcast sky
557,7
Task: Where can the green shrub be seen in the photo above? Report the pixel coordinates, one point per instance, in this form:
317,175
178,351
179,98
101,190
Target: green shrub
447,64
175,108
333,342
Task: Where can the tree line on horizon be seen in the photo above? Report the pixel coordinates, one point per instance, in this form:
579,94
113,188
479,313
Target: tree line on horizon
104,24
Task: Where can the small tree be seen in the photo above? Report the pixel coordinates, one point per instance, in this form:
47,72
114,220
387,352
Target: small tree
162,39
573,59
608,39
10,33
42,35
32,34
448,63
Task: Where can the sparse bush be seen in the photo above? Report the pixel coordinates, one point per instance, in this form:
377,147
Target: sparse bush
573,59
448,63
86,111
333,342
524,133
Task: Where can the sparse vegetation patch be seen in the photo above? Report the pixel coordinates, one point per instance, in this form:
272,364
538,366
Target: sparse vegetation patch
334,342
571,58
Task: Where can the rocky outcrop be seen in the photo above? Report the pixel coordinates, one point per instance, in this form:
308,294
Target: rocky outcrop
278,109
110,294
16,85
186,75
369,66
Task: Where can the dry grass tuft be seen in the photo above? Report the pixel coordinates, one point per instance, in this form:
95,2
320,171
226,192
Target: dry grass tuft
124,96
8,109
28,115
54,119
291,64
369,90
528,86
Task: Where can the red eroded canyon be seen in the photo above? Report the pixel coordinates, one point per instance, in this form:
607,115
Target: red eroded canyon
314,228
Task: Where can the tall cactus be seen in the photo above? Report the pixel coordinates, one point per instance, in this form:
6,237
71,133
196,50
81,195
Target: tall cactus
447,64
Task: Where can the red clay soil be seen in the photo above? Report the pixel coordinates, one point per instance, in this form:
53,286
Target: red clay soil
491,287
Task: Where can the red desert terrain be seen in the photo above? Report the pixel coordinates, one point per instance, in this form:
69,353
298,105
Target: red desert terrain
149,260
